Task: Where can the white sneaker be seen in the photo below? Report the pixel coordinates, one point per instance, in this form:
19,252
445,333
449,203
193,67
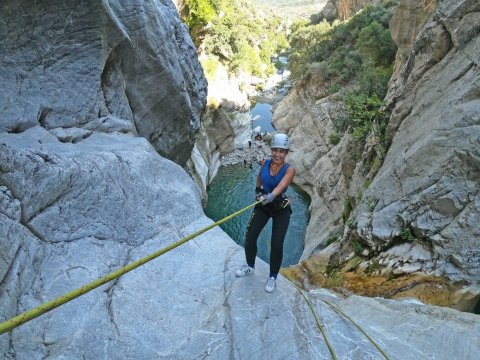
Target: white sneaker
271,285
245,270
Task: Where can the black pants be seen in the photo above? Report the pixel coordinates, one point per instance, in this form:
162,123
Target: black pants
258,220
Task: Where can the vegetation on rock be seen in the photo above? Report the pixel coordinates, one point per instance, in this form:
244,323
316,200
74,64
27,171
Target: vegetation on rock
234,34
359,51
430,289
353,58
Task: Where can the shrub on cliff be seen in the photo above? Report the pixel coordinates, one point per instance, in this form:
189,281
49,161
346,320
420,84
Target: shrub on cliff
359,51
198,12
375,44
367,115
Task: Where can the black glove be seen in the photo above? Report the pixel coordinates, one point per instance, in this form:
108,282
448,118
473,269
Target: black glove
258,193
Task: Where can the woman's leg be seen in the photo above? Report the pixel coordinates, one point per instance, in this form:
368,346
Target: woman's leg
255,225
279,230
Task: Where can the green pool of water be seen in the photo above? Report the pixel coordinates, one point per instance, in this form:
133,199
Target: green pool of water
234,188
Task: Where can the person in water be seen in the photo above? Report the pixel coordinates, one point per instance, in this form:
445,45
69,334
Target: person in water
272,182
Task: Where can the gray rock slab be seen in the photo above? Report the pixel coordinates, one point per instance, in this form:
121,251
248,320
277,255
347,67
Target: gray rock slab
106,66
408,329
187,304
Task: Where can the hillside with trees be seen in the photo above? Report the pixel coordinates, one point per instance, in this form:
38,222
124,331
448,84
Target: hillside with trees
294,9
234,34
353,58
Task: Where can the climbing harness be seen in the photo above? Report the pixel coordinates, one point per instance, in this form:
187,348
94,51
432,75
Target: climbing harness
42,309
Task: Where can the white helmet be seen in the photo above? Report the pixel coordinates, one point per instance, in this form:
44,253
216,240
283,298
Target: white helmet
280,141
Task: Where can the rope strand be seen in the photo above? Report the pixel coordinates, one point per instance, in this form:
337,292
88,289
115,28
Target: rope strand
319,324
42,309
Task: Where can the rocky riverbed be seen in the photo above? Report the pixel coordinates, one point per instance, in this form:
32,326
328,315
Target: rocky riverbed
255,151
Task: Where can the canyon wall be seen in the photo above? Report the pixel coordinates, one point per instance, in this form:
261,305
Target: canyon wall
418,213
94,92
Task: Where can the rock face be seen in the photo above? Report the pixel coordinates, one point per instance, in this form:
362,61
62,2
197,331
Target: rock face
226,126
426,191
77,67
327,172
222,132
344,9
429,180
415,13
80,201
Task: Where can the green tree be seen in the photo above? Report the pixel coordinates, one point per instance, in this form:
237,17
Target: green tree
303,43
359,51
199,12
367,113
375,44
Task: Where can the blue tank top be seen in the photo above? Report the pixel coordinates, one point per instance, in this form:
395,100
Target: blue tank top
270,182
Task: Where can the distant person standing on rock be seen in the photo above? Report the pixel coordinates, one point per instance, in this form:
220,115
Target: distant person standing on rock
272,182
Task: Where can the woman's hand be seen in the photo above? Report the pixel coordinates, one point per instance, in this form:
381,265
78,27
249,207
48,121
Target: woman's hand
268,198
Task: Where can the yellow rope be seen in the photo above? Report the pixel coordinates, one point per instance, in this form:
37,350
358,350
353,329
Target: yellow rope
319,324
336,309
342,313
42,309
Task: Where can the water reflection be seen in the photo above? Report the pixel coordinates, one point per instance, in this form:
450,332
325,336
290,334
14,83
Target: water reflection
262,116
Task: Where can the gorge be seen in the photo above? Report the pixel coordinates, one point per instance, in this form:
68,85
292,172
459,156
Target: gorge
106,148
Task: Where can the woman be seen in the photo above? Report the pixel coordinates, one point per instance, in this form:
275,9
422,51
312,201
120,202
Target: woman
272,181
